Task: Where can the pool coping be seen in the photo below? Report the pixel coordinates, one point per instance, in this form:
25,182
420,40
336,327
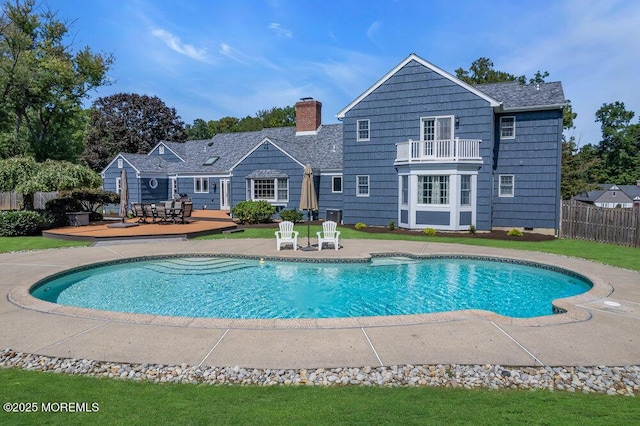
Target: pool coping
591,332
570,307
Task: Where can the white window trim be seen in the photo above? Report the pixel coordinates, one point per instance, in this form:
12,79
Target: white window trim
118,187
513,136
513,186
469,190
358,194
161,149
333,178
277,181
436,118
433,205
358,138
120,162
201,180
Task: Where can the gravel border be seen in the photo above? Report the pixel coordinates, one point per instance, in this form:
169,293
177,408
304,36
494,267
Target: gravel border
623,380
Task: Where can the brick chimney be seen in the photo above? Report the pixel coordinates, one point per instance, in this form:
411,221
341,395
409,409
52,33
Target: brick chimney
308,116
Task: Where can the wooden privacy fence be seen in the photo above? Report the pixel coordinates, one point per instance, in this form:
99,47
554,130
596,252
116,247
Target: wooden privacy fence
14,201
587,222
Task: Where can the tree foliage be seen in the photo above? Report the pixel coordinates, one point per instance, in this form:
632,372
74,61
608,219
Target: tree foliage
274,117
481,71
26,176
128,122
619,149
43,84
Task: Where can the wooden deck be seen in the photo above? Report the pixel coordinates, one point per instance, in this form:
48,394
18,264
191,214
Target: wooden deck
202,222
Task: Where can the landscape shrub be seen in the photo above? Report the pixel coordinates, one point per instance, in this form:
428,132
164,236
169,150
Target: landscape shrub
429,232
392,225
22,223
360,226
58,208
291,215
472,229
515,233
253,211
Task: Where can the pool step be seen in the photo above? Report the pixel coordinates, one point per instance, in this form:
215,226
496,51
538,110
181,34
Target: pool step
197,266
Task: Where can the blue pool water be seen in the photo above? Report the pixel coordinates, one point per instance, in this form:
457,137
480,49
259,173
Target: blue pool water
248,288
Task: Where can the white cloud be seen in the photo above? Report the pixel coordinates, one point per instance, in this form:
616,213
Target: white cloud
373,29
175,44
280,32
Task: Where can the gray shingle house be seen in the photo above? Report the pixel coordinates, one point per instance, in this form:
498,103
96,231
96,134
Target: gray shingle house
419,147
612,196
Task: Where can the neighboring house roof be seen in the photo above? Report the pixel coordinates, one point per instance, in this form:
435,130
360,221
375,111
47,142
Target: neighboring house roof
517,97
631,191
413,57
322,150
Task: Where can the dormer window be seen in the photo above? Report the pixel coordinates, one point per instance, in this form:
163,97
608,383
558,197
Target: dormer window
119,163
209,161
161,149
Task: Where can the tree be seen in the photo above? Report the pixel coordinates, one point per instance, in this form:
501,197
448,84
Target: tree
26,176
198,130
43,83
128,122
274,117
619,148
481,72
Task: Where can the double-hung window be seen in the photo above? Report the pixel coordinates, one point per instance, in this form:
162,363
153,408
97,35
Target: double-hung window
465,190
362,186
118,187
433,189
507,127
404,188
434,129
201,185
506,186
363,130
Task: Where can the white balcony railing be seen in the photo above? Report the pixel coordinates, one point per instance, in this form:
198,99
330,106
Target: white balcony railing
445,150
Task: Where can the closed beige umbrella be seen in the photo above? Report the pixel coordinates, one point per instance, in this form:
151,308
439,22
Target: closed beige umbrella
124,195
308,198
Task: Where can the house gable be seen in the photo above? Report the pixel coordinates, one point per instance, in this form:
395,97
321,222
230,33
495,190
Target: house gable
164,150
114,163
437,70
265,144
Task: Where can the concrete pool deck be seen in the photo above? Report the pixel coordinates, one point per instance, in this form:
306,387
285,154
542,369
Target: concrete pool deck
601,327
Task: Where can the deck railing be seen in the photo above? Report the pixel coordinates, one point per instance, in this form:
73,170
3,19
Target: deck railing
438,150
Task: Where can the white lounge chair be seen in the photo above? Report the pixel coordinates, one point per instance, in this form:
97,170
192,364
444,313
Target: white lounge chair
329,235
286,235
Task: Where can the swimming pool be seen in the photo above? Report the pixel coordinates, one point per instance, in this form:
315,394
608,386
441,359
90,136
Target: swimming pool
244,288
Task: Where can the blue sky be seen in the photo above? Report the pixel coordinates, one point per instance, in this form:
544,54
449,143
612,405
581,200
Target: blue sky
210,59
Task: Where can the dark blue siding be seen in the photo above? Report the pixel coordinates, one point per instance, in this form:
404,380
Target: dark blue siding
534,158
267,159
154,195
394,110
113,172
326,198
167,156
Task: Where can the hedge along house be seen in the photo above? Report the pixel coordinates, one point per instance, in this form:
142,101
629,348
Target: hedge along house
427,150
218,173
419,147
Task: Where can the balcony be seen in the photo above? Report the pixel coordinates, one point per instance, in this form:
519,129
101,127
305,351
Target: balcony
439,151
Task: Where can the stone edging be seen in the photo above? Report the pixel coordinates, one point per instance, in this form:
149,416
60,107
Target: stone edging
601,379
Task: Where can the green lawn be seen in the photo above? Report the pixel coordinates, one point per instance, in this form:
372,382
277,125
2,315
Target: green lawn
9,244
123,402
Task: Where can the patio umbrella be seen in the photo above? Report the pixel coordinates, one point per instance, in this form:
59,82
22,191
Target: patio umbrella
308,199
124,195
